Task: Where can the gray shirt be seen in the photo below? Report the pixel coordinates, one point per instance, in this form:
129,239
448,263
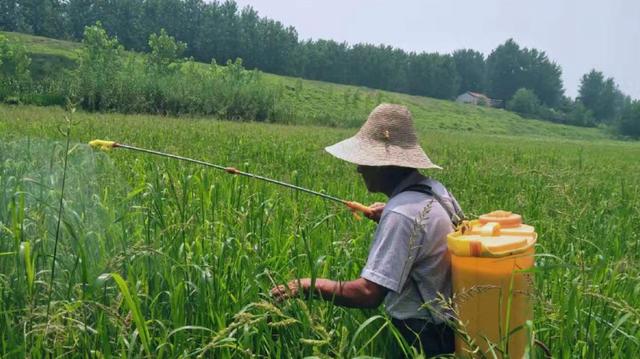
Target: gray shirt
409,250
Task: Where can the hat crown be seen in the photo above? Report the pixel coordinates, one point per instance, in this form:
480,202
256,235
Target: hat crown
390,124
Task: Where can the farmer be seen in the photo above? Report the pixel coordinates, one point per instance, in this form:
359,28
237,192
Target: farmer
408,263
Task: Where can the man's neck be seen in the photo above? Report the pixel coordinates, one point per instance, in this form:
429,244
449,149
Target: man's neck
394,181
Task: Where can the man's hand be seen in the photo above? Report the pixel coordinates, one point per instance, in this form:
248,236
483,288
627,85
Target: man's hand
290,290
376,211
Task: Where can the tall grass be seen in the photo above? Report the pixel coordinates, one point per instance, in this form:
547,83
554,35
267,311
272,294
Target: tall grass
161,259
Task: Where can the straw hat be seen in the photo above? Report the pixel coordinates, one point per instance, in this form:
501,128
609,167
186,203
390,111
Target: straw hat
388,138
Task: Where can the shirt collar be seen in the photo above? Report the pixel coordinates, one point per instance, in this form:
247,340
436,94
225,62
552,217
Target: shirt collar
414,178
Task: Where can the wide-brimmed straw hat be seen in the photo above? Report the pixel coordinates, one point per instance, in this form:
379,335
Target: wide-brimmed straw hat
387,138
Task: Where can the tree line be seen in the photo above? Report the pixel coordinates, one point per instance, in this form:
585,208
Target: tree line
525,79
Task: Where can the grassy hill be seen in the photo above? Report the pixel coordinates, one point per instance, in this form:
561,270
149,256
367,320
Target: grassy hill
334,105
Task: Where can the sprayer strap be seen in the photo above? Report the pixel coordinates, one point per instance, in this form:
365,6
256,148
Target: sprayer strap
426,189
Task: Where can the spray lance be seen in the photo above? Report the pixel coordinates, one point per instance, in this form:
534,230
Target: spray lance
355,207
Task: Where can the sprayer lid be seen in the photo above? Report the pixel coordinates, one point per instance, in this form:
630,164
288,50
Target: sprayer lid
495,234
505,218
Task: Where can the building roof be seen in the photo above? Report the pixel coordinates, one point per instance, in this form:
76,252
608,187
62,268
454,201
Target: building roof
478,95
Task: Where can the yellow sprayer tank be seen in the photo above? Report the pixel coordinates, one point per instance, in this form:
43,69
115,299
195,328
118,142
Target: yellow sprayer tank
487,259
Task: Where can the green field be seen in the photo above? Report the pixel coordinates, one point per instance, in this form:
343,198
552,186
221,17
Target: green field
332,105
195,251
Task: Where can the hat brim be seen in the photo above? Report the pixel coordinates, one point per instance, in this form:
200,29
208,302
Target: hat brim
360,152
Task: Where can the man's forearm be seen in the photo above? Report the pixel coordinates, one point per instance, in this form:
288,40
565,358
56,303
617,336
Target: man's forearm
353,294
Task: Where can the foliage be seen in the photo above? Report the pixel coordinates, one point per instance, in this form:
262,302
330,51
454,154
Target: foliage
601,96
470,66
579,115
14,69
100,62
629,124
43,17
9,15
165,52
510,68
195,250
524,101
433,75
109,80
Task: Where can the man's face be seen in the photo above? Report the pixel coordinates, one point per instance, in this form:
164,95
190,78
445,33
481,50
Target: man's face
372,177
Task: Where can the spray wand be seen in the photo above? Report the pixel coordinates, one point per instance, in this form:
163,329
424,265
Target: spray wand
353,206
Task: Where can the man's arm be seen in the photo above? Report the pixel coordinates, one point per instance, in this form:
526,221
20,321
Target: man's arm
359,293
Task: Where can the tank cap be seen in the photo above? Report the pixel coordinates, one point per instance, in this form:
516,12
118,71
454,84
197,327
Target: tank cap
506,219
491,229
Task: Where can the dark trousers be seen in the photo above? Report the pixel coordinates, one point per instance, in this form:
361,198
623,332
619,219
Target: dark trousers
432,339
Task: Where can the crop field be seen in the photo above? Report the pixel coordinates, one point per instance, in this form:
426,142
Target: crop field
156,258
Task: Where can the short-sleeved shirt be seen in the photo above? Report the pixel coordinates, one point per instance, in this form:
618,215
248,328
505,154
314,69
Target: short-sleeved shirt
409,250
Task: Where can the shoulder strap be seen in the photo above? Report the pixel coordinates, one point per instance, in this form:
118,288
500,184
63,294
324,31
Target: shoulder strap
426,189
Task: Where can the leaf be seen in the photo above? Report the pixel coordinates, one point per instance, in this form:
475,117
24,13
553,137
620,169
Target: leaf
29,265
364,325
133,306
189,327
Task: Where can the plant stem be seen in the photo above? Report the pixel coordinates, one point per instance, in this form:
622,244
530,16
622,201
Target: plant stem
60,209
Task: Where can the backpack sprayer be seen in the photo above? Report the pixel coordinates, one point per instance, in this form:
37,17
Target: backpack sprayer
352,205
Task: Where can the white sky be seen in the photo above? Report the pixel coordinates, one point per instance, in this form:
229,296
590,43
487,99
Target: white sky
578,35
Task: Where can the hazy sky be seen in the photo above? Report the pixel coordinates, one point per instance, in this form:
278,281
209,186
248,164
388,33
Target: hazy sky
578,35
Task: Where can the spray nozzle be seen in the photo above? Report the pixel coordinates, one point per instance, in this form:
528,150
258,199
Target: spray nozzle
102,144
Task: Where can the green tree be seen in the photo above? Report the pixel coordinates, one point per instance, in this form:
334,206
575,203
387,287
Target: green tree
170,15
229,24
601,96
100,62
362,63
543,76
122,18
251,49
579,115
433,75
41,17
471,68
165,52
524,101
276,44
14,68
325,59
505,71
80,14
629,124
9,15
207,45
510,68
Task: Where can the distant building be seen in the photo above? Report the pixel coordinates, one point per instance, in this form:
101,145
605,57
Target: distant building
478,99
